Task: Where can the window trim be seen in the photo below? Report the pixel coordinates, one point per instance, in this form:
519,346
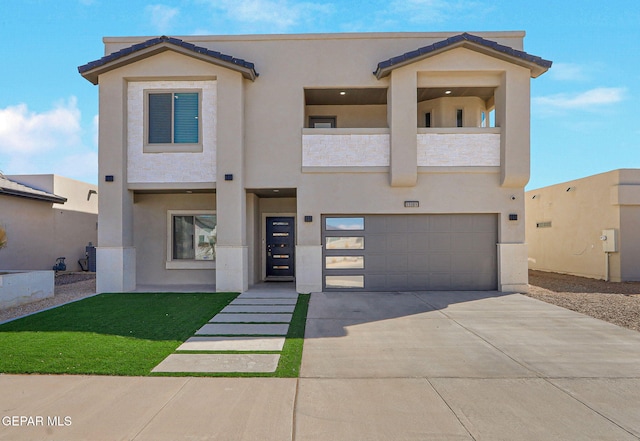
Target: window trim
171,147
178,264
332,120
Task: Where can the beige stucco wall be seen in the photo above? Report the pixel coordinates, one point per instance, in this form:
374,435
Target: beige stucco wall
39,232
579,210
259,140
150,223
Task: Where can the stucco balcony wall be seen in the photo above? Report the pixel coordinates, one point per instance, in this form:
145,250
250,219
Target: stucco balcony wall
459,147
345,148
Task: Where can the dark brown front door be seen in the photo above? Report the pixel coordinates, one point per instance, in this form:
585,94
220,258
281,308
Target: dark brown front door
280,247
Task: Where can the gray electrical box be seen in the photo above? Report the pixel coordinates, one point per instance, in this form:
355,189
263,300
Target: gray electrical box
609,240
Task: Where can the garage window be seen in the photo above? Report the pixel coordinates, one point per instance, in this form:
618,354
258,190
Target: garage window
344,223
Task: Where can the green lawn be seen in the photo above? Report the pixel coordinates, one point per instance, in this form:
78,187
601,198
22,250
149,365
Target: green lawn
125,334
108,334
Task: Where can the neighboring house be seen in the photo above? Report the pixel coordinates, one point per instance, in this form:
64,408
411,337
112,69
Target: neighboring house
588,227
46,217
378,161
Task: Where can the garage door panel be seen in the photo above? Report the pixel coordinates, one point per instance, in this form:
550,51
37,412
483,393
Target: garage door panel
376,225
418,282
397,243
483,241
417,242
440,242
464,263
461,224
486,223
440,262
463,242
418,263
397,262
396,282
421,252
417,224
375,262
375,243
439,281
440,223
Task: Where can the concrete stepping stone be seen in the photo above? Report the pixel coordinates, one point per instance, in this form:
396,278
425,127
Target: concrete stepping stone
258,308
243,329
233,344
251,318
268,295
219,363
264,302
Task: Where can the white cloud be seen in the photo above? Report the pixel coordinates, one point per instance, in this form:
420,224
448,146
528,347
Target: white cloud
47,142
28,132
162,16
278,15
568,72
589,100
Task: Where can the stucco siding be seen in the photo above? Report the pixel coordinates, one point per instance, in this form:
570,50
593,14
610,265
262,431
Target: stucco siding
175,166
348,150
461,150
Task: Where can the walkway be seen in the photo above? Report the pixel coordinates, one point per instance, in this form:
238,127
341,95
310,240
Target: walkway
449,366
246,336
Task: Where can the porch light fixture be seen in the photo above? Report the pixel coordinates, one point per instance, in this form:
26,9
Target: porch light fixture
342,92
447,92
411,204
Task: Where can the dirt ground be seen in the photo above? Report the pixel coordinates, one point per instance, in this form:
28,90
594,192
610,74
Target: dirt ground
617,303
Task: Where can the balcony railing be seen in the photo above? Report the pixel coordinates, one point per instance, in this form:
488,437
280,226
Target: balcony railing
459,147
345,147
370,147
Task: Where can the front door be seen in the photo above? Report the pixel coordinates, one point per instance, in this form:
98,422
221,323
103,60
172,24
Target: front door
280,246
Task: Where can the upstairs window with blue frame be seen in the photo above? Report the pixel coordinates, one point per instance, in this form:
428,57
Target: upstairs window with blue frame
174,118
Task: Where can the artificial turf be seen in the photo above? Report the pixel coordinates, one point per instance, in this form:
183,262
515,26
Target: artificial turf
108,334
125,334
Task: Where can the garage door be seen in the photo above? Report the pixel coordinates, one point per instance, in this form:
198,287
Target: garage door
410,252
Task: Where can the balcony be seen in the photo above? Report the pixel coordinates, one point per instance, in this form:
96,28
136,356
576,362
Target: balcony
349,147
459,147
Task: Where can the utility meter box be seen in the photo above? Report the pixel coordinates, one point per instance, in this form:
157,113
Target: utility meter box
609,240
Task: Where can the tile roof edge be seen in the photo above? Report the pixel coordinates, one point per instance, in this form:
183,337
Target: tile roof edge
243,64
465,36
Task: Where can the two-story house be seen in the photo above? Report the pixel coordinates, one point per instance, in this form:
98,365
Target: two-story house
378,161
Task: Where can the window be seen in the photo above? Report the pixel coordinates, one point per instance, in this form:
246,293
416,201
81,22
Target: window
344,223
459,122
322,122
192,239
344,243
173,120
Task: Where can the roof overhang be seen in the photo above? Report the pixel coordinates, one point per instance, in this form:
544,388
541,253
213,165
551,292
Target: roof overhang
38,196
535,64
92,70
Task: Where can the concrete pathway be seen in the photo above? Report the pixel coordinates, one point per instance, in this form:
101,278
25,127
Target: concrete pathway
376,366
255,322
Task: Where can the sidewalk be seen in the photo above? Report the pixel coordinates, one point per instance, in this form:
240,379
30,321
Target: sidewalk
376,366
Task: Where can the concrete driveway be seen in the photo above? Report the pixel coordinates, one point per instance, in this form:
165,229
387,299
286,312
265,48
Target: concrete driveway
376,366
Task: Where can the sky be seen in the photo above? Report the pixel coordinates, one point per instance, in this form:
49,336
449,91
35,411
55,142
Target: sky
583,110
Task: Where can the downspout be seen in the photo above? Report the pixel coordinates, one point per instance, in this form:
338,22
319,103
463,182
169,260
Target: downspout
606,266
